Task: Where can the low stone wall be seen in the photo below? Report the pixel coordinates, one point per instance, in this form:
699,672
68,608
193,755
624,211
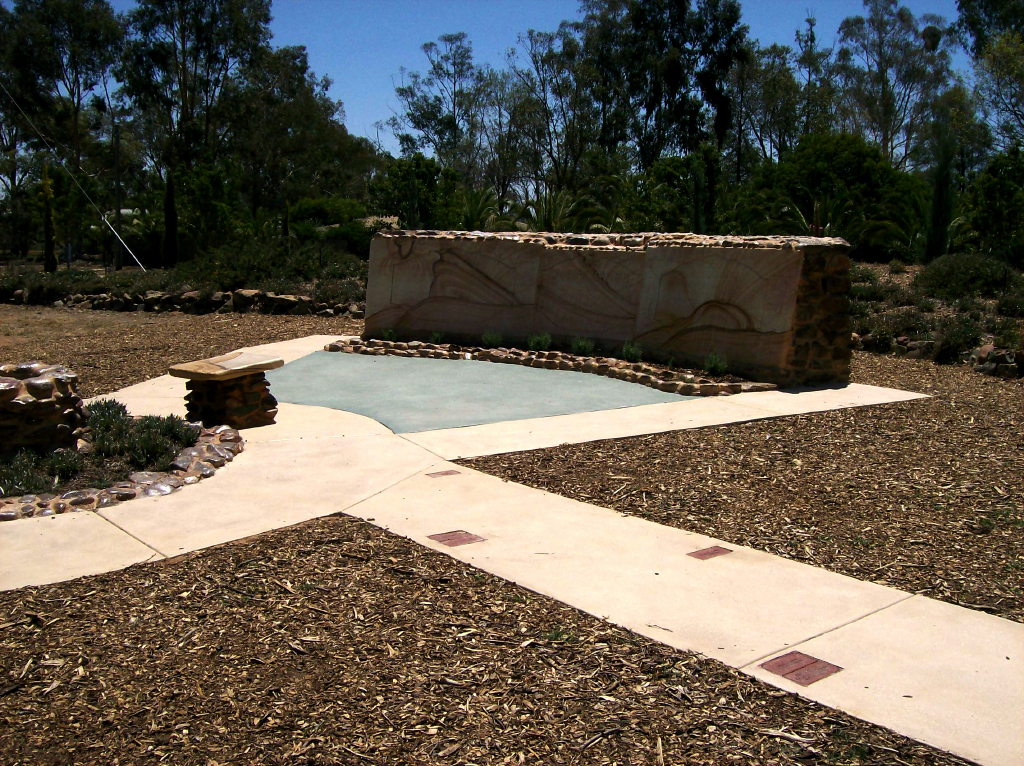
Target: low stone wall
240,301
682,382
39,407
773,308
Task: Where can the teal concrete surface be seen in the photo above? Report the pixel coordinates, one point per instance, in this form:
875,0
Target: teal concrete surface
411,394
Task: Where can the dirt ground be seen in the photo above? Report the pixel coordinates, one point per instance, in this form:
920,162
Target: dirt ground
111,350
338,643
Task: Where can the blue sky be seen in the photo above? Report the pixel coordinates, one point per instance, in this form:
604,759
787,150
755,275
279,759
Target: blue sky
362,44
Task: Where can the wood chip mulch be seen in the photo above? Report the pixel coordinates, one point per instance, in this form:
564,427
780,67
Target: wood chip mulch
335,642
926,495
111,350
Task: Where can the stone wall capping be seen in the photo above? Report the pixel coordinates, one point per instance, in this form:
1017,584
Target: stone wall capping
633,241
683,382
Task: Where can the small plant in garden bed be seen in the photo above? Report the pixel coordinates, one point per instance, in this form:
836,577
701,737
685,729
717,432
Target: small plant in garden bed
631,352
490,340
119,445
582,346
541,342
714,364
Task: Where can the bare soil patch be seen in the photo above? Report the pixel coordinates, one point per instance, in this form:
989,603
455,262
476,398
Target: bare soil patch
923,495
111,350
337,643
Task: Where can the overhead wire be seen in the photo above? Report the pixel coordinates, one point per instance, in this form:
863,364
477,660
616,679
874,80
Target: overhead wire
71,175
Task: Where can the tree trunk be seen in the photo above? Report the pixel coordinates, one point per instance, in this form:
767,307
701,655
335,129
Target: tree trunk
170,243
49,251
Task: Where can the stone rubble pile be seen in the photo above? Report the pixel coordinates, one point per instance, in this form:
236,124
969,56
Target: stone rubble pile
989,360
39,407
672,381
213,449
195,302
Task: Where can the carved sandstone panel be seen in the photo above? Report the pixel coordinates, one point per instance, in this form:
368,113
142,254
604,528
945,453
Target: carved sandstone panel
737,302
428,284
771,307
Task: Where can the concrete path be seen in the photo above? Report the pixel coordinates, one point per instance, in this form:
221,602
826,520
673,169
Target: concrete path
945,675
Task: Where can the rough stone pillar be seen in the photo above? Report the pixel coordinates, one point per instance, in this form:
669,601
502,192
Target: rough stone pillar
39,407
242,402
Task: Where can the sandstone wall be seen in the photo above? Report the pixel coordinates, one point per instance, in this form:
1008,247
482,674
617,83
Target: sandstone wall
774,308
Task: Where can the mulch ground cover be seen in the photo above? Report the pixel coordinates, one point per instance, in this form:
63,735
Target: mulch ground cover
926,495
111,350
335,642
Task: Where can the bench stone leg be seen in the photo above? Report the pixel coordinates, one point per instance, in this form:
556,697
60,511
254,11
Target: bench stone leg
242,402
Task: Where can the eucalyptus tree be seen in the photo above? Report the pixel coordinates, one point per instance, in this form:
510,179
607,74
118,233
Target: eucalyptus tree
283,130
179,59
560,118
444,109
892,68
672,60
74,45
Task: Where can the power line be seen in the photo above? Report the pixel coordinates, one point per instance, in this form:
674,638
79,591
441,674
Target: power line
71,175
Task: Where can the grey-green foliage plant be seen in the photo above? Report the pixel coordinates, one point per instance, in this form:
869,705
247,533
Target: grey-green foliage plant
631,352
144,442
540,342
714,364
490,340
582,346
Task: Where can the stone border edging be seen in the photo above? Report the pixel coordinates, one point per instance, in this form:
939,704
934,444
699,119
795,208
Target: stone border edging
240,301
214,448
683,383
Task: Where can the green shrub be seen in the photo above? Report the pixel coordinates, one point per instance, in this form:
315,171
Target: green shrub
953,336
897,295
958,275
540,342
437,337
582,346
1006,334
1011,304
897,266
883,329
144,442
927,305
388,335
870,292
862,275
23,474
859,308
490,340
631,352
714,364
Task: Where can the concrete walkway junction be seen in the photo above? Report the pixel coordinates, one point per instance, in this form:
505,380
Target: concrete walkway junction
947,676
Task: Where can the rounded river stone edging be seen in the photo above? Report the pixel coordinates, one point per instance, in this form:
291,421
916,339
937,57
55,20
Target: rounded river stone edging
214,448
670,381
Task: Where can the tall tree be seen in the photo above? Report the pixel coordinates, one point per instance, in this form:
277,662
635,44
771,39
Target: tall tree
673,61
75,43
443,109
180,57
892,67
981,21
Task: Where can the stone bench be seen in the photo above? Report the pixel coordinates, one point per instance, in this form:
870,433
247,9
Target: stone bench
230,390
